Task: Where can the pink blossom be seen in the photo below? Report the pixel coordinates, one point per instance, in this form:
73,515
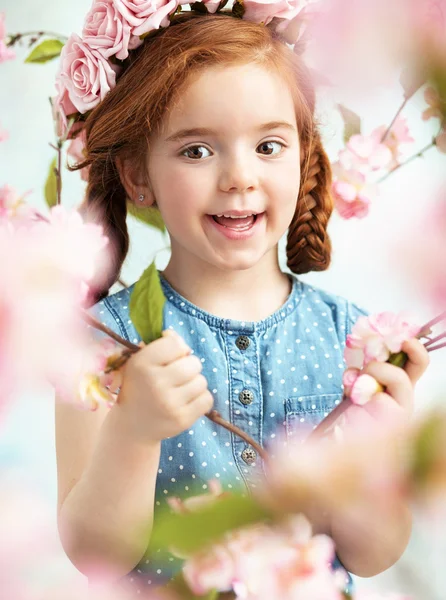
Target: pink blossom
85,74
398,135
440,142
5,52
433,99
368,153
13,207
3,135
363,389
146,15
352,193
211,569
377,336
76,150
106,29
423,254
263,11
211,5
63,108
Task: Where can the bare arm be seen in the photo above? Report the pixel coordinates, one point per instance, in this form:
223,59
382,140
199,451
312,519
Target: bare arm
106,518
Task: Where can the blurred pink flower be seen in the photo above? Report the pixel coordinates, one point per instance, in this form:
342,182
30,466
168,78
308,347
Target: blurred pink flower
264,562
440,142
367,153
4,135
14,208
352,193
398,135
423,254
76,151
106,29
5,52
366,595
433,99
363,389
377,336
63,108
429,24
85,74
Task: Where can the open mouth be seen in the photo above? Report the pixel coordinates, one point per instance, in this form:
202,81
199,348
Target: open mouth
236,223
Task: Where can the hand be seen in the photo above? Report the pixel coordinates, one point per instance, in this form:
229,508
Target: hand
163,391
395,405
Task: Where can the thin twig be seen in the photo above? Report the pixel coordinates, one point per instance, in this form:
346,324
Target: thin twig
409,160
213,416
16,37
399,111
430,349
321,429
58,170
435,340
426,328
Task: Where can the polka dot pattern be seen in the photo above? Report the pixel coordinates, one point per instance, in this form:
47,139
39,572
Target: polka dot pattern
288,372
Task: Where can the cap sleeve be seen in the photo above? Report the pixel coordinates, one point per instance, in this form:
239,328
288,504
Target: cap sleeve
353,313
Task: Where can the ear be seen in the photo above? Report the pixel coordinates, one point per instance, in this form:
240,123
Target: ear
135,184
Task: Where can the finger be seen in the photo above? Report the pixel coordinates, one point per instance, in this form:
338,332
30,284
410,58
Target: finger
385,410
395,380
191,390
419,359
182,370
201,405
166,349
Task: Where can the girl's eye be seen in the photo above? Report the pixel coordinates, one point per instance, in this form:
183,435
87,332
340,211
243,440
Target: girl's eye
264,146
195,152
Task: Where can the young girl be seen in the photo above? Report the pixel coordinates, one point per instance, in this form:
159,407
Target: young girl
212,122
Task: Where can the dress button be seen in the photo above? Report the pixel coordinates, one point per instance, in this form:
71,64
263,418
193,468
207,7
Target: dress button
246,397
242,342
249,456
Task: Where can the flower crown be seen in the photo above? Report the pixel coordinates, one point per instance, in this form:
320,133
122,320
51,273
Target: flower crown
91,64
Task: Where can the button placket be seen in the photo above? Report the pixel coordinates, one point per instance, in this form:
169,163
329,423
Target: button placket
246,409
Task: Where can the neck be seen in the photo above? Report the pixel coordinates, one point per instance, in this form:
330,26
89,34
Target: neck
244,295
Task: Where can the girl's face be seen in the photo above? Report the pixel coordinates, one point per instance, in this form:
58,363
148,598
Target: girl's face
230,145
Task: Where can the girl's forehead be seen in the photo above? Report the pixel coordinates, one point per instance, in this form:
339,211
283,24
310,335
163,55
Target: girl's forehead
237,95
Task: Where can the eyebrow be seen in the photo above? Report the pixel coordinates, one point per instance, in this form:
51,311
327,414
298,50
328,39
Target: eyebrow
197,131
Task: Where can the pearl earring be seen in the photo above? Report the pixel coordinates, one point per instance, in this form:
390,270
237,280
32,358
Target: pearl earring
141,197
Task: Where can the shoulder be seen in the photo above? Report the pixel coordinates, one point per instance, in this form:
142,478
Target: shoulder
343,312
114,312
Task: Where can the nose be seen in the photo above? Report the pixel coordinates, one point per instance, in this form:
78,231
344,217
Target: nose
238,174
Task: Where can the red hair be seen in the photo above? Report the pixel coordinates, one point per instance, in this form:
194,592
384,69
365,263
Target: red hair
121,126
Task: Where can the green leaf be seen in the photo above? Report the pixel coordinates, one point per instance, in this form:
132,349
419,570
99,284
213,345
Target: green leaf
148,215
352,122
192,531
45,51
398,359
146,305
51,185
427,447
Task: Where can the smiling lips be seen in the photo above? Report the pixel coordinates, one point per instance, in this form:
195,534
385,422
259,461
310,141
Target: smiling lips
236,220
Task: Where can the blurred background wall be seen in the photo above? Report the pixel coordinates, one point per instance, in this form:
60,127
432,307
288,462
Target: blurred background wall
364,267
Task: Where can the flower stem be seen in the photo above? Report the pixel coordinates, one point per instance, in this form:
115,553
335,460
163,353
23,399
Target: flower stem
399,111
213,415
409,160
13,38
426,328
431,349
330,420
57,170
435,340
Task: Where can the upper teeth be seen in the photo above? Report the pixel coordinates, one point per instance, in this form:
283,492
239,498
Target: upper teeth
234,217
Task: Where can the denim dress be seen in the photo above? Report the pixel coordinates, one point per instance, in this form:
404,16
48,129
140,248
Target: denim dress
274,378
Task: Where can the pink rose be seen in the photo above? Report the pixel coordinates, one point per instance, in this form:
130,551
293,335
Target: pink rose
62,109
211,5
146,15
86,74
263,11
106,30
